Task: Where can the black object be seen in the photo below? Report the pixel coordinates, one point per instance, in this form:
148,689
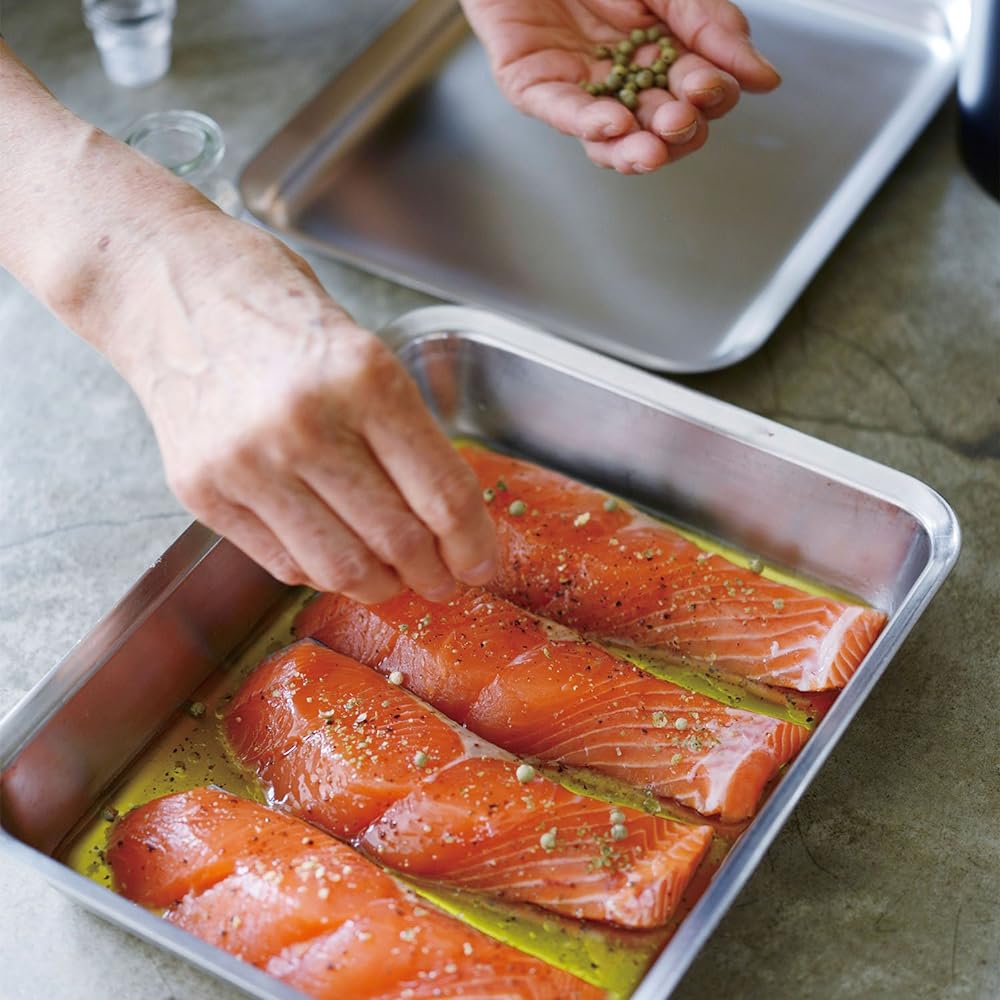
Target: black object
979,97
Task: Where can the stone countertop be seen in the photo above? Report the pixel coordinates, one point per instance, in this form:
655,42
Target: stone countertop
886,881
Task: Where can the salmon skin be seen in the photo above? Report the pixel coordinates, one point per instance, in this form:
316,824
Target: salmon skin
340,746
535,689
309,910
591,561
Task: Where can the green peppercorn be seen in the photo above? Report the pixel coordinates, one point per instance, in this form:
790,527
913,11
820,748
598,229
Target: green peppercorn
524,773
591,89
654,34
644,80
599,90
661,80
517,508
668,53
660,66
628,98
620,59
488,495
634,67
638,36
602,52
625,47
614,80
610,504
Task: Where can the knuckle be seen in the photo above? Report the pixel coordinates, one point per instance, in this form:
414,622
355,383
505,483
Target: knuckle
405,543
454,502
345,570
374,369
196,491
282,567
302,419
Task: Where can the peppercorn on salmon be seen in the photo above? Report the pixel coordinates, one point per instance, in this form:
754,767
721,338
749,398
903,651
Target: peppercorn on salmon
339,745
580,557
537,690
309,910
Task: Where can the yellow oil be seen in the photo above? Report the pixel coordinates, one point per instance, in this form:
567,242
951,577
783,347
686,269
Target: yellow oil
191,752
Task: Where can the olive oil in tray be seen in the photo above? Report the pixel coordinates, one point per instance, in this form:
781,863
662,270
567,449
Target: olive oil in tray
191,752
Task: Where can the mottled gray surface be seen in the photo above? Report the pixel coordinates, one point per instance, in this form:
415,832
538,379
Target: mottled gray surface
886,883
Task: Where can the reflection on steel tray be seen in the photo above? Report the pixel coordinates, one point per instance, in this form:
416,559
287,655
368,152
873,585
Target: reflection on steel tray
797,502
412,165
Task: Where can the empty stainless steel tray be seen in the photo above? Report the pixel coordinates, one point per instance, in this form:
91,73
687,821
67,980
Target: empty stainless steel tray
412,165
814,508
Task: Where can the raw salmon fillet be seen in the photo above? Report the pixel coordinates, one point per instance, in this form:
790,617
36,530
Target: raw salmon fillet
537,690
339,745
275,892
619,575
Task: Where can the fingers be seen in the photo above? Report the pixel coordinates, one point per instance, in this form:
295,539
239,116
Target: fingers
669,130
546,86
675,122
713,91
638,153
360,493
330,555
622,15
249,534
293,536
437,485
718,30
567,108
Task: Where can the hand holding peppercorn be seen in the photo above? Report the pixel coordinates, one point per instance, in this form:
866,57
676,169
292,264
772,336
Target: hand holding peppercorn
635,81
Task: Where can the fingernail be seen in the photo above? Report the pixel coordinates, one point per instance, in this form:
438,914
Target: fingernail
611,131
641,168
682,135
709,97
770,65
481,574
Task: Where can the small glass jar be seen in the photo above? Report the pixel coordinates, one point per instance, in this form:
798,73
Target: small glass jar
133,38
190,145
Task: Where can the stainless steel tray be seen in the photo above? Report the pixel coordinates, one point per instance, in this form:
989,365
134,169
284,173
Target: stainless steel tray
816,509
412,165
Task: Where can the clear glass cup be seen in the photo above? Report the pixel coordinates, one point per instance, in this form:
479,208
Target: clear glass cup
133,38
191,145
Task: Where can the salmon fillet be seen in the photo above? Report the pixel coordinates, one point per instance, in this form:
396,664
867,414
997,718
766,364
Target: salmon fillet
537,690
619,575
309,910
339,745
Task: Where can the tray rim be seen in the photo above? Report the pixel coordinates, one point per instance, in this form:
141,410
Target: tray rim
438,322
280,165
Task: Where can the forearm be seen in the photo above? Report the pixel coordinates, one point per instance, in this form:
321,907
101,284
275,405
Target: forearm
78,209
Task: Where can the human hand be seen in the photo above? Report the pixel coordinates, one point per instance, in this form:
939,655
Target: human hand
541,50
289,429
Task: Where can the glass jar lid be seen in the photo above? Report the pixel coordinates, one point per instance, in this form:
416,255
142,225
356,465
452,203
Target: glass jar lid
188,143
